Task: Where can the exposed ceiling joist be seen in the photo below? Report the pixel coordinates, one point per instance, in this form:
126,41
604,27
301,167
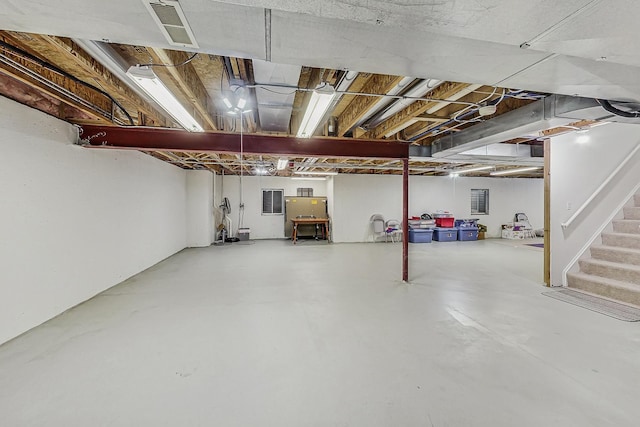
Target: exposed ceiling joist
377,83
54,85
189,83
69,56
397,122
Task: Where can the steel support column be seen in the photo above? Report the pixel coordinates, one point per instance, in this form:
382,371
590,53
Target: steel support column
405,222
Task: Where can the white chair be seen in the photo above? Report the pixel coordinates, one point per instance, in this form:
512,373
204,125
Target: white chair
377,226
393,229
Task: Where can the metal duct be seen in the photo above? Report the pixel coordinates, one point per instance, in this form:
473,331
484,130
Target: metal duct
547,113
384,102
420,89
275,105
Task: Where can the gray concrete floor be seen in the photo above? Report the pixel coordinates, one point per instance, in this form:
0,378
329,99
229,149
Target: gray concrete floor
269,334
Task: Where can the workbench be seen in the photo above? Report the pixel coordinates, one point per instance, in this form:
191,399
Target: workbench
322,222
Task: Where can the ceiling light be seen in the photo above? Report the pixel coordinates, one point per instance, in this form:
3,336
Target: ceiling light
261,170
308,178
147,80
227,102
476,169
241,103
319,103
315,173
282,164
513,171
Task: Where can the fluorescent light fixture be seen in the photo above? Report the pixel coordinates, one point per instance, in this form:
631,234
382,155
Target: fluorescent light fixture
319,103
315,173
282,164
227,102
308,178
476,169
513,171
153,86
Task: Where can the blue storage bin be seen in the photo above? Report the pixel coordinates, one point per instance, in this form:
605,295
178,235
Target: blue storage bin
467,234
469,222
420,235
445,234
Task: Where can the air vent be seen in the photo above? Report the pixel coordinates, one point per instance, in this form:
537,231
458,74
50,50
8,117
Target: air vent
168,15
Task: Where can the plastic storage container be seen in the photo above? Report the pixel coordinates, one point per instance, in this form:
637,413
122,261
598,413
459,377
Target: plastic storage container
421,235
470,222
449,234
421,223
445,222
243,234
466,234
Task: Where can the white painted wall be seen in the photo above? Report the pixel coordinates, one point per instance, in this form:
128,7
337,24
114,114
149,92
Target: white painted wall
200,228
357,197
76,221
577,170
330,200
263,226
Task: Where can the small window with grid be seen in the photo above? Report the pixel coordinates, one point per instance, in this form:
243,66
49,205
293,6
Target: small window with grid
479,201
305,192
272,202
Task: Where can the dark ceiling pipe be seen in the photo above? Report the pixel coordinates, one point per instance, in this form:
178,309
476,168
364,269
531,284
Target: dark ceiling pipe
618,112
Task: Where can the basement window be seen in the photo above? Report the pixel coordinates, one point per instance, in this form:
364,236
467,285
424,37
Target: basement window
305,192
479,201
272,202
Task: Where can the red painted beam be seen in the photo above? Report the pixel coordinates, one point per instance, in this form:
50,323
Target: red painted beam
162,139
405,220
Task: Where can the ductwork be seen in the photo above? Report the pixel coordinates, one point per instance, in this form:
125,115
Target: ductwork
384,102
275,105
552,111
420,89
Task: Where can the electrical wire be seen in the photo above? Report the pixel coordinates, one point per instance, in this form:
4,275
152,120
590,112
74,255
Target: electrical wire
276,92
185,62
32,58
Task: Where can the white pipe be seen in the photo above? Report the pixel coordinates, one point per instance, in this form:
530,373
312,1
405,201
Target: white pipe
600,188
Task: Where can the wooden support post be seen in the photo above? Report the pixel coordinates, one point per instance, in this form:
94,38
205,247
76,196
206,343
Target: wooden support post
405,222
547,212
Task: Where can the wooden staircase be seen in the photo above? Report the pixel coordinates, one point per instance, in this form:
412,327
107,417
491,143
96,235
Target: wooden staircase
613,271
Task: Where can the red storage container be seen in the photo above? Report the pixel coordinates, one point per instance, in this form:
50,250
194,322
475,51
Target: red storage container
445,222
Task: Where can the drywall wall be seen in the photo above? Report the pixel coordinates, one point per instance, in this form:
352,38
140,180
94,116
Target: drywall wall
330,200
263,226
76,221
577,170
357,197
200,228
